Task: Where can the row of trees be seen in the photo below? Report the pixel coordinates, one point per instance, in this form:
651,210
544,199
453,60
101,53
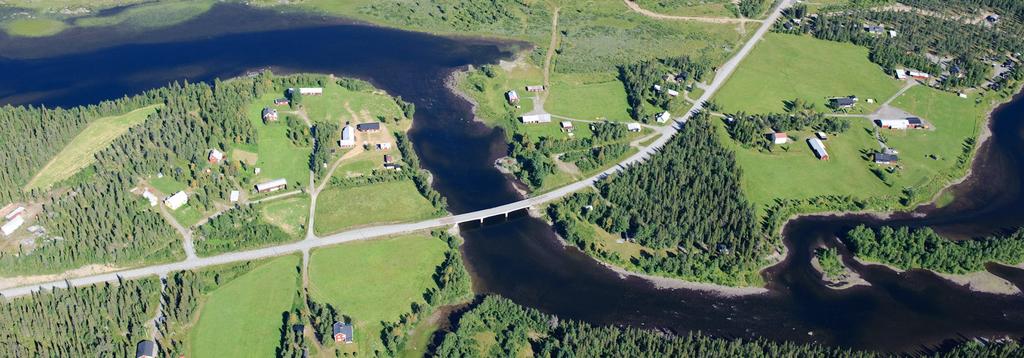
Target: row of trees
639,80
103,320
750,130
922,248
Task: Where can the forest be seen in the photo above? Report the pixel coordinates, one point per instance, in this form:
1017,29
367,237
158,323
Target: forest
675,73
687,199
535,156
922,248
237,228
105,320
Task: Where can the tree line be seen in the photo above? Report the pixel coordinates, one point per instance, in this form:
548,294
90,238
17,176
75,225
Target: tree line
751,130
922,248
535,156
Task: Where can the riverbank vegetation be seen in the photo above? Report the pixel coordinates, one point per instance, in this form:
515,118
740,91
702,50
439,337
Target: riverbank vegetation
828,259
906,248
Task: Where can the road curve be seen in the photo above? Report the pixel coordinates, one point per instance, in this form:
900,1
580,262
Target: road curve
721,76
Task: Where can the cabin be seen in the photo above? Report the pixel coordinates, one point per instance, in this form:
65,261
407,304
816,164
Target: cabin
892,34
145,349
566,126
821,135
273,185
388,159
348,137
536,118
885,158
342,333
874,29
901,74
215,157
633,127
994,18
269,114
512,97
153,200
663,117
18,211
657,88
535,88
918,75
843,102
234,196
384,146
311,91
281,102
818,148
916,123
372,127
778,137
176,201
893,123
673,93
11,226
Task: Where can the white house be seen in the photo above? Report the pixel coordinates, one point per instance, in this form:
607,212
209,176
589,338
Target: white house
12,225
348,137
536,118
663,117
273,185
657,88
893,123
512,96
175,201
311,91
633,127
566,126
892,34
384,146
779,137
673,93
901,74
15,213
216,156
234,196
819,148
153,200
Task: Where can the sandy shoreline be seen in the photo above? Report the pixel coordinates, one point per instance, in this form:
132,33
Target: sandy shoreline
980,281
847,279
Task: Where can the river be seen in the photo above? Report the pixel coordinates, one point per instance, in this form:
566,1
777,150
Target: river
521,258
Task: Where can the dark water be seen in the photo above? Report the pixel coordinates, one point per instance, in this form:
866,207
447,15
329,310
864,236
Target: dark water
520,258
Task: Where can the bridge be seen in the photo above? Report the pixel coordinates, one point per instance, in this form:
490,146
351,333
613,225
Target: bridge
304,246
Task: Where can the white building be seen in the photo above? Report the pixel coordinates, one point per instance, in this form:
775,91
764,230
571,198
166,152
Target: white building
216,156
15,213
536,118
311,91
176,201
384,146
673,93
819,148
12,225
894,123
348,137
153,200
663,117
779,138
566,126
633,127
273,185
892,34
657,88
234,196
901,74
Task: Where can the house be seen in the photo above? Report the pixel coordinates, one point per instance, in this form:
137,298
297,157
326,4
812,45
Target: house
535,88
893,123
657,88
269,114
372,127
383,146
176,201
778,137
257,170
512,97
145,349
994,18
311,91
633,127
342,333
281,102
234,196
216,156
843,102
901,74
673,93
388,159
663,117
917,123
918,75
536,118
874,29
892,34
821,135
153,200
9,227
787,26
15,213
273,185
962,95
818,147
566,126
348,137
886,158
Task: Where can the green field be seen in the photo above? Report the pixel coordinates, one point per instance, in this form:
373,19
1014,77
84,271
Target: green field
588,97
712,8
783,67
243,317
375,281
336,102
166,185
187,215
79,152
338,209
277,156
291,214
36,27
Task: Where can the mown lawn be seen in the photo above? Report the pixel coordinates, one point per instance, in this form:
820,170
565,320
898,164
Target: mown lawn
166,185
336,102
79,153
588,97
187,215
243,317
375,281
277,157
291,214
338,209
783,67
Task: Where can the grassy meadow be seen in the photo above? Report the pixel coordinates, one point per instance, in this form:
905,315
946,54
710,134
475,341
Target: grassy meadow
79,153
277,156
783,67
340,105
291,214
712,8
375,281
339,209
243,317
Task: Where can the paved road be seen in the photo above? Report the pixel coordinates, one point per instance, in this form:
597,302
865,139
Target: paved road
386,230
